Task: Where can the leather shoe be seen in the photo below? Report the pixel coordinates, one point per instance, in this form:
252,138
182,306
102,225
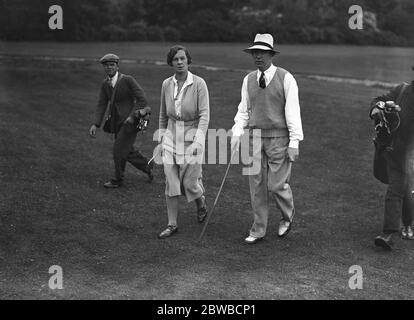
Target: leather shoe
202,210
384,241
112,184
168,232
284,228
252,240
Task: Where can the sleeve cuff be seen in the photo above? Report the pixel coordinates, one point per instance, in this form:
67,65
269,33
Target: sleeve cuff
200,137
237,132
294,144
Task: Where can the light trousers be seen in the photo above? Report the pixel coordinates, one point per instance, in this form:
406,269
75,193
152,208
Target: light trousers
273,177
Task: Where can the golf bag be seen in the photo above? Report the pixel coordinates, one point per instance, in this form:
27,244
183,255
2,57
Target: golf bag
141,122
387,122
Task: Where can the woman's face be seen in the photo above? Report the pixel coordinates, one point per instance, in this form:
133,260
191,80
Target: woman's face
180,62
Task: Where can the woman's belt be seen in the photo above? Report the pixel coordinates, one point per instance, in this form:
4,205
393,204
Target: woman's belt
187,122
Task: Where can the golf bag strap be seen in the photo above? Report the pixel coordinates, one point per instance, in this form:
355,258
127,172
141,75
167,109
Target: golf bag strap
398,101
111,103
401,94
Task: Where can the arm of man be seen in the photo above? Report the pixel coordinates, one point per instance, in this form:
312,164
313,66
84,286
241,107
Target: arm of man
241,119
138,94
293,118
101,107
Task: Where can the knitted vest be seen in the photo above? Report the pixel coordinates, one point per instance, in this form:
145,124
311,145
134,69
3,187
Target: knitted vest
267,106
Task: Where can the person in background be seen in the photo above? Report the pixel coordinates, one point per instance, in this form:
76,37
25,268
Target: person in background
127,106
399,164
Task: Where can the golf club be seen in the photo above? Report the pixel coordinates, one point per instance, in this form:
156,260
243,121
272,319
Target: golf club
215,201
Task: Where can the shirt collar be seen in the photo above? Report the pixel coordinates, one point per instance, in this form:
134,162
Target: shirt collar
268,73
114,79
188,81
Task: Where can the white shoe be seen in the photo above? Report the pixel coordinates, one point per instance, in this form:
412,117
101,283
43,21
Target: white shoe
252,240
284,228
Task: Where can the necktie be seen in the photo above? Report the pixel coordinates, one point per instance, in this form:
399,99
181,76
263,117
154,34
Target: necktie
262,81
110,82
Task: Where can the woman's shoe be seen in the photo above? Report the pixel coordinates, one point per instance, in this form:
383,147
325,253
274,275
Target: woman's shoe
168,232
202,210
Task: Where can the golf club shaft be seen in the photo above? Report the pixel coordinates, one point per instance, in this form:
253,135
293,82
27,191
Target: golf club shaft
153,157
215,201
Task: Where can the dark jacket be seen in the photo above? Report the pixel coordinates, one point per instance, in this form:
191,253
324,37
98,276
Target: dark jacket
129,97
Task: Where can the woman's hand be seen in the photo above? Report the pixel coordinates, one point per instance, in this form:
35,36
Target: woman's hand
158,150
194,149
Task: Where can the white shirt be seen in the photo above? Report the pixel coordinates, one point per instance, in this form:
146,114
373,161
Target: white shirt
178,96
292,107
114,79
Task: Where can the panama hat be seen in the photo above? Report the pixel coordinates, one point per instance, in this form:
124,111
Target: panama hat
110,57
262,42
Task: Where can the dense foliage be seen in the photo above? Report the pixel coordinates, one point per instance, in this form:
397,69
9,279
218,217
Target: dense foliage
291,21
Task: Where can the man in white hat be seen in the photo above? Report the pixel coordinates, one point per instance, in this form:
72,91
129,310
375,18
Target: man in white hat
270,103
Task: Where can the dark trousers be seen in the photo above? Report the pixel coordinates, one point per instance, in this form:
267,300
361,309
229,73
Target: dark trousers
124,152
398,199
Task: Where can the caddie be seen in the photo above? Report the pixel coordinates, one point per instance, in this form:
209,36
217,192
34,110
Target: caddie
127,105
270,104
399,198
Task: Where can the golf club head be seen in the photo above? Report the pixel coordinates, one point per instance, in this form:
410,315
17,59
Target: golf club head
390,107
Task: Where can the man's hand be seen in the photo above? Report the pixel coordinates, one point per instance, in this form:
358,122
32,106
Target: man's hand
129,120
235,144
92,131
142,114
292,154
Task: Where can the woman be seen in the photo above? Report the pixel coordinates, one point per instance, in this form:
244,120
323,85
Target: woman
183,123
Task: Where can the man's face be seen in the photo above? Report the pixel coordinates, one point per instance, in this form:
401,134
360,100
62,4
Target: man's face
111,68
262,59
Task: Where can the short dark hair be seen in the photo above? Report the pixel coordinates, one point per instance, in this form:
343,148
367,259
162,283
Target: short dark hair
173,51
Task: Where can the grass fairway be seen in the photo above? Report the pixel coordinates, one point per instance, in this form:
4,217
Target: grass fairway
54,210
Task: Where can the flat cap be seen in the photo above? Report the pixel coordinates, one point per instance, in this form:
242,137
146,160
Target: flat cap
110,57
